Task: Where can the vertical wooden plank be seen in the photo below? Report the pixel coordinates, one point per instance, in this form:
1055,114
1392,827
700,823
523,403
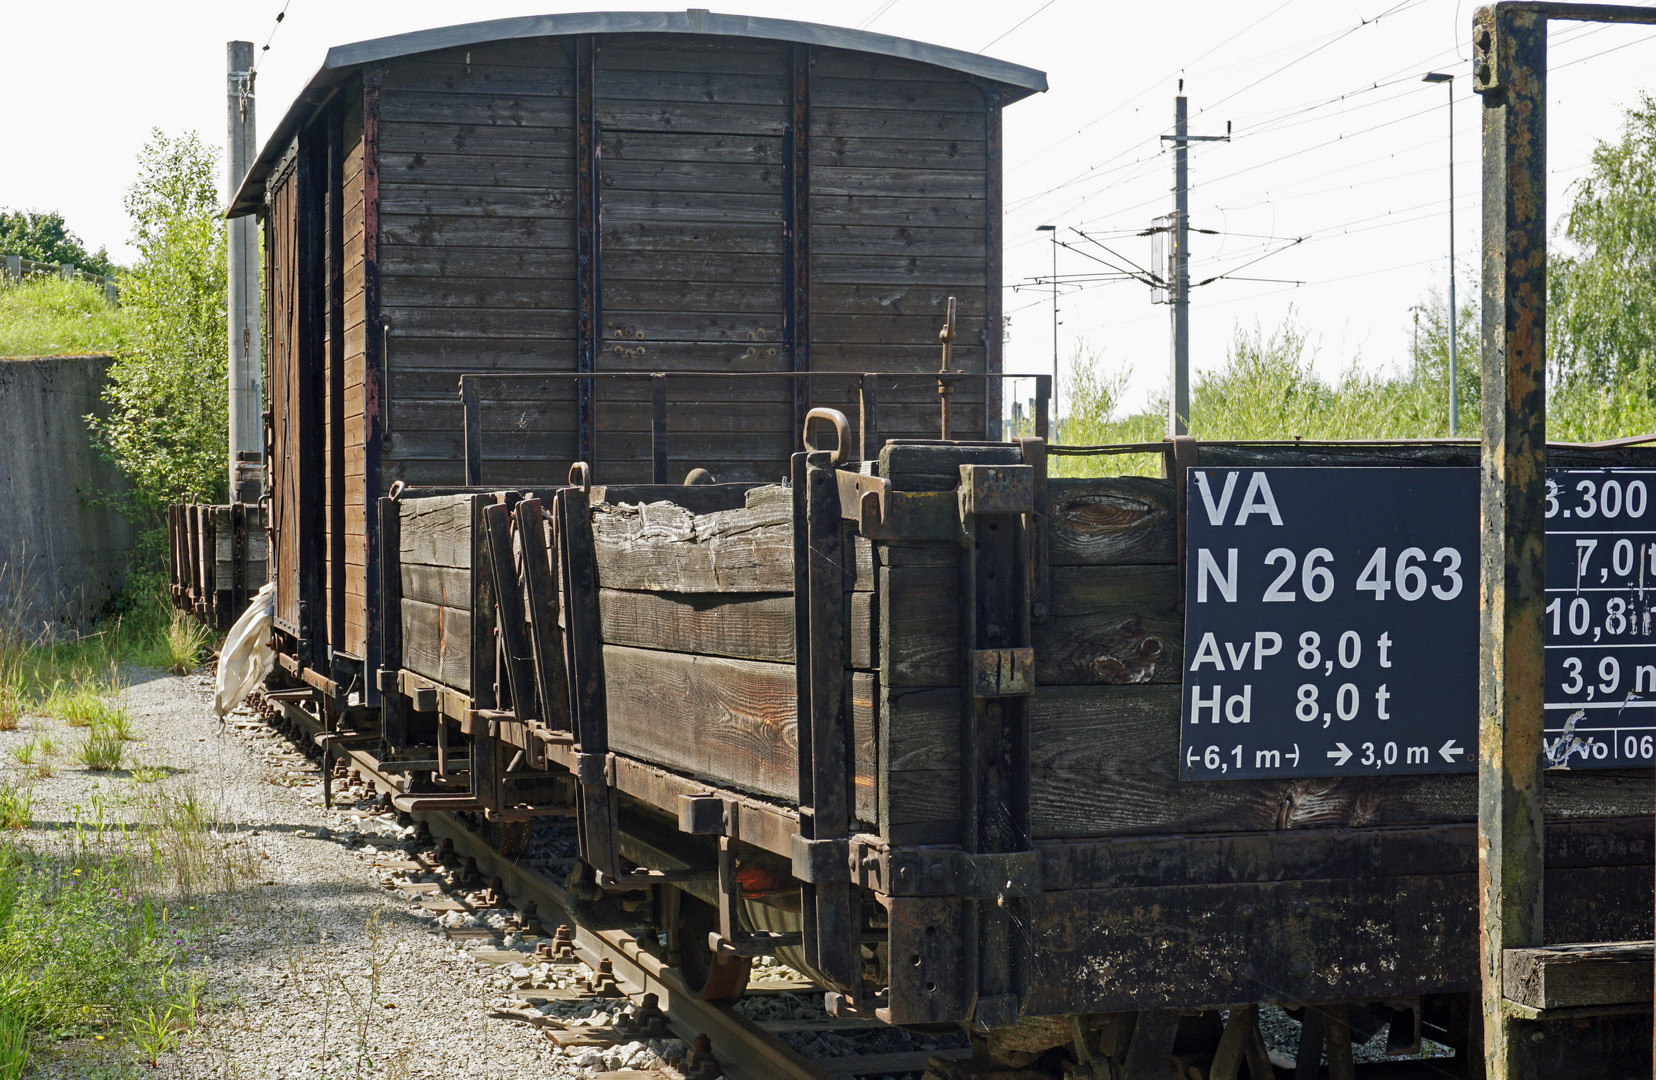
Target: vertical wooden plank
376,390
333,316
588,279
796,230
588,707
509,619
992,300
658,428
307,403
545,638
826,719
393,706
483,658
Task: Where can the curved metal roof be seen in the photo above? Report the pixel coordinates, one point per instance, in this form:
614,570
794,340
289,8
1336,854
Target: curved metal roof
1018,81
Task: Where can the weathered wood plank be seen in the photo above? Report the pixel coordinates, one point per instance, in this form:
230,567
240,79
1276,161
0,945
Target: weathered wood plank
1122,520
1116,624
1104,761
1106,624
754,626
663,547
437,643
442,586
937,468
1579,976
436,531
729,721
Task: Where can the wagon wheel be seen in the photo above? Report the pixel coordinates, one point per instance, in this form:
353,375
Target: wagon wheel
509,838
707,976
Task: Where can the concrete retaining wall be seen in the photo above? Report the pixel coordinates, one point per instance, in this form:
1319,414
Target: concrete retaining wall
62,555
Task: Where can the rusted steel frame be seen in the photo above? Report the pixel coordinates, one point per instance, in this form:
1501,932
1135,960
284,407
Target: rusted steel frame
545,638
584,658
509,615
658,428
588,281
995,797
820,854
1510,71
393,706
944,391
796,227
472,427
376,393
992,300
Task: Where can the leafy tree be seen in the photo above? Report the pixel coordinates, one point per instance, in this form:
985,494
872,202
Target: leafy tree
45,237
1602,297
167,397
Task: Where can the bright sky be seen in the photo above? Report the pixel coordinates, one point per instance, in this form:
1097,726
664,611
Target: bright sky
1335,139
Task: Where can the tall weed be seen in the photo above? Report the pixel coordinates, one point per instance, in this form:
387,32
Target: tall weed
185,642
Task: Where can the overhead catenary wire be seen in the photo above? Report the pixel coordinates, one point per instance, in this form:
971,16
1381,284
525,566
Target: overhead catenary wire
1019,23
280,15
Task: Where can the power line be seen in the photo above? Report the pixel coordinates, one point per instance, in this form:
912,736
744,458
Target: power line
280,15
1021,21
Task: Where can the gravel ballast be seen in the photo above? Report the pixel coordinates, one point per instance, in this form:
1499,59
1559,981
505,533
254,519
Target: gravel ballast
313,968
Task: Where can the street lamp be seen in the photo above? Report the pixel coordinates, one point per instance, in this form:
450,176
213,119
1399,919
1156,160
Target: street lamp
1454,405
1053,231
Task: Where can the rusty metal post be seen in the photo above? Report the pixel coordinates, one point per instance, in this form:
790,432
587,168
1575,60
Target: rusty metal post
472,414
1510,71
944,389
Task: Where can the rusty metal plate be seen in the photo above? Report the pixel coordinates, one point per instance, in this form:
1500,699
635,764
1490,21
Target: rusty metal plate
997,489
1000,673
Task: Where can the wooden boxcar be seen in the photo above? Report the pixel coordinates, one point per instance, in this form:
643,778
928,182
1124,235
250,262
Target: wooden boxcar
689,192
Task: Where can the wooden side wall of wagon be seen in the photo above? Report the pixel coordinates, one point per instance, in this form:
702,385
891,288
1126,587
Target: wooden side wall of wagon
217,559
760,210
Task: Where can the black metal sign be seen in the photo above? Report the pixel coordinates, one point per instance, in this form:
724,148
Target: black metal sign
1331,623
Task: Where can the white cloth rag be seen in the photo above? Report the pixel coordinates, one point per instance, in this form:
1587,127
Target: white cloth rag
247,656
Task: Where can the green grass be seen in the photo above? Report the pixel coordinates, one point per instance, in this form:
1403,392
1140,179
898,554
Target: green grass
185,642
47,316
1269,389
103,750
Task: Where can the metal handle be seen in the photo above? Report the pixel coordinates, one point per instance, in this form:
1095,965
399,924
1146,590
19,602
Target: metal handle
584,471
842,430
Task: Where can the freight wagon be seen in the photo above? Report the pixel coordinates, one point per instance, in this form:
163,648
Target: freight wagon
872,691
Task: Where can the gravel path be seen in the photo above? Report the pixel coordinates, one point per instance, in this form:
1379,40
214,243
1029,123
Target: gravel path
314,969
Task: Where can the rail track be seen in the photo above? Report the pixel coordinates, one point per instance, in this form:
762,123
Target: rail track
743,1048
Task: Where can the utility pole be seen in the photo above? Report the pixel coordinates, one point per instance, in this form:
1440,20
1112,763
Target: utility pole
246,370
1052,231
1454,404
1178,400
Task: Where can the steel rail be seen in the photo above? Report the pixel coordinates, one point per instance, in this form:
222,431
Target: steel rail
744,1050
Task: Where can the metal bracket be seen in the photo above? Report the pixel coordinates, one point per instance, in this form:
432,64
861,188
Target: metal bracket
999,673
706,815
818,862
996,489
952,872
593,769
